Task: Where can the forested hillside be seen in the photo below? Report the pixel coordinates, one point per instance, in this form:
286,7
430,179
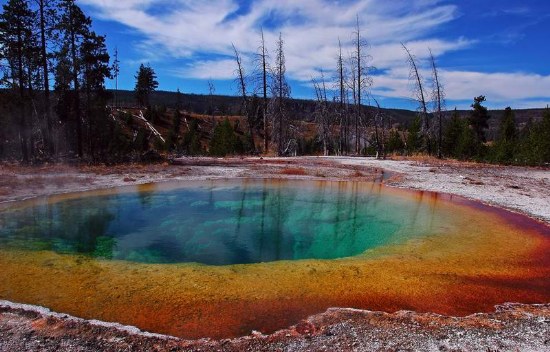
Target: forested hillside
54,105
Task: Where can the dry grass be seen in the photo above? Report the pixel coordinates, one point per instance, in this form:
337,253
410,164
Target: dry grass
436,162
296,171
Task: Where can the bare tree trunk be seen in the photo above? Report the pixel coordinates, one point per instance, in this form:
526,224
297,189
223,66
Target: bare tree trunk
280,94
76,83
379,132
48,135
23,131
421,98
280,70
363,81
438,96
264,86
353,86
242,88
358,58
322,115
116,71
342,107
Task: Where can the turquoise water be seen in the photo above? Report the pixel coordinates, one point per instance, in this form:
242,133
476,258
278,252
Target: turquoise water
222,222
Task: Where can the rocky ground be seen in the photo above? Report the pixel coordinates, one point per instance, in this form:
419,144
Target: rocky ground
512,327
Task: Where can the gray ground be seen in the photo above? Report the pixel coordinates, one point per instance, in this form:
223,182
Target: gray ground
525,190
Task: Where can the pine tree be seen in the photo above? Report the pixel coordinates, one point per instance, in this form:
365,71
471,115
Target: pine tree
191,144
17,49
414,138
74,26
505,145
468,146
47,11
395,142
479,118
535,142
224,141
452,134
96,68
146,83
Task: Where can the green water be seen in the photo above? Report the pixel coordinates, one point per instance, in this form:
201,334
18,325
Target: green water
220,223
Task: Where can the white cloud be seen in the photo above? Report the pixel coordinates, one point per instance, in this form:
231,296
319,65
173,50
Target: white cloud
311,28
208,69
499,87
518,90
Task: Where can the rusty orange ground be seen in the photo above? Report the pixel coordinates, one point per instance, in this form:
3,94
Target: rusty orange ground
495,257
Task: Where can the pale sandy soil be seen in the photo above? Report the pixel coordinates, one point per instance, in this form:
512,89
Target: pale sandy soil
19,183
525,190
511,328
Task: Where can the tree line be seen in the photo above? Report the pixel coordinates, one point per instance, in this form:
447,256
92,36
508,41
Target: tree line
342,121
352,121
54,101
43,41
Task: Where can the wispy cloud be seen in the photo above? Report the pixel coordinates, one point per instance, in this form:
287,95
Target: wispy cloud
201,34
311,28
502,89
208,69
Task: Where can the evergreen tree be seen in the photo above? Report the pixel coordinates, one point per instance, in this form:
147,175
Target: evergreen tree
452,135
47,12
395,142
468,145
414,138
17,46
479,118
505,145
74,26
146,83
535,142
62,89
96,68
191,144
224,141
544,138
172,139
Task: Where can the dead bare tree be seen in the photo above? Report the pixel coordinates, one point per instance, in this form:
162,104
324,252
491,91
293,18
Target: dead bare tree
420,97
379,131
277,109
211,107
262,66
241,80
323,115
343,110
363,81
438,96
116,72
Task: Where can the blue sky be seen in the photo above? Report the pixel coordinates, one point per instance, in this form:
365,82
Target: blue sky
495,48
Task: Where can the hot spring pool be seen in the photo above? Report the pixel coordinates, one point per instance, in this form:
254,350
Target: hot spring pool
222,258
223,223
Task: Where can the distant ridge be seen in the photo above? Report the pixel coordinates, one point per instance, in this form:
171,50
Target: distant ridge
302,109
